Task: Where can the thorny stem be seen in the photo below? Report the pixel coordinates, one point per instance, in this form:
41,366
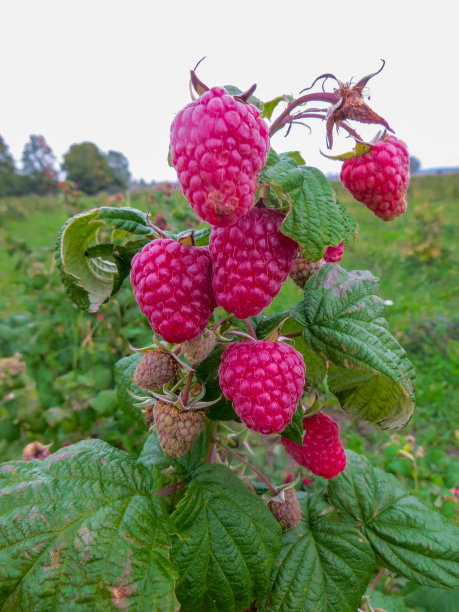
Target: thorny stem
170,489
284,117
250,328
187,387
249,465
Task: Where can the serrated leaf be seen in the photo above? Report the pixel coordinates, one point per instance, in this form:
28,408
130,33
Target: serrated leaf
233,542
152,454
316,218
294,430
81,530
324,566
342,320
207,373
264,324
409,538
123,372
316,367
433,600
89,278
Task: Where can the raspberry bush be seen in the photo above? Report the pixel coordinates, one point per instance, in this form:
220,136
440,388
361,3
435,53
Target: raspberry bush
191,523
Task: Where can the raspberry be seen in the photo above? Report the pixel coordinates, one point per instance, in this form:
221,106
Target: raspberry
287,513
218,146
334,254
172,286
198,349
251,259
35,450
156,369
177,429
322,451
304,269
379,179
264,380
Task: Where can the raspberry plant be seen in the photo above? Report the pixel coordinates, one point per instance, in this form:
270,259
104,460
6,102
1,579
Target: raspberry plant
191,524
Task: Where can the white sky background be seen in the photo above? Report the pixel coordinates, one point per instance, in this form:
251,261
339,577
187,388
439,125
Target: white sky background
115,72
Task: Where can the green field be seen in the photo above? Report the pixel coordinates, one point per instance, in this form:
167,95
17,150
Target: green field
70,354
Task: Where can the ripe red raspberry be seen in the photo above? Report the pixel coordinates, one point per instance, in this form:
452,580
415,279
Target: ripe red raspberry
218,146
177,429
379,179
264,380
322,451
288,512
172,286
334,254
156,369
251,259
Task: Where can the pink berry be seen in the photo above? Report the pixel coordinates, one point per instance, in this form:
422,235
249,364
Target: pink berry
172,286
379,179
218,146
322,451
251,259
334,254
264,380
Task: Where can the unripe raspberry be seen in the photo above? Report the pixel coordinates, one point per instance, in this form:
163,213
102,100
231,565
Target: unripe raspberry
251,259
287,513
177,429
218,146
35,450
334,254
172,286
264,380
156,369
199,348
322,451
304,269
379,179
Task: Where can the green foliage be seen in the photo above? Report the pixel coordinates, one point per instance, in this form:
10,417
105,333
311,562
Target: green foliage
233,540
84,525
407,537
316,219
323,565
342,320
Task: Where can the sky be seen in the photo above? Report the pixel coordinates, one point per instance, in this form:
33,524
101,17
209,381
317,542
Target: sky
116,72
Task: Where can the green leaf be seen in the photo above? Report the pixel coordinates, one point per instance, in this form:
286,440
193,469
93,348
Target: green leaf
264,324
294,431
90,278
123,372
324,566
316,367
433,600
152,454
342,321
317,219
233,542
409,538
270,106
81,530
207,373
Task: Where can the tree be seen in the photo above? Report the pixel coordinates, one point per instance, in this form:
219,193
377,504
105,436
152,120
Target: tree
88,167
11,183
415,164
38,161
119,166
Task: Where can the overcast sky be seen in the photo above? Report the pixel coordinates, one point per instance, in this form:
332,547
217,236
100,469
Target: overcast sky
115,72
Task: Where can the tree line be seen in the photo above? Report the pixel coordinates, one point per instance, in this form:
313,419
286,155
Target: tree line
84,163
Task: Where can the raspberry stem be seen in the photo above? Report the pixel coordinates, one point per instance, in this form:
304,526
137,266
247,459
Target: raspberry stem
170,489
240,458
250,328
186,392
285,117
